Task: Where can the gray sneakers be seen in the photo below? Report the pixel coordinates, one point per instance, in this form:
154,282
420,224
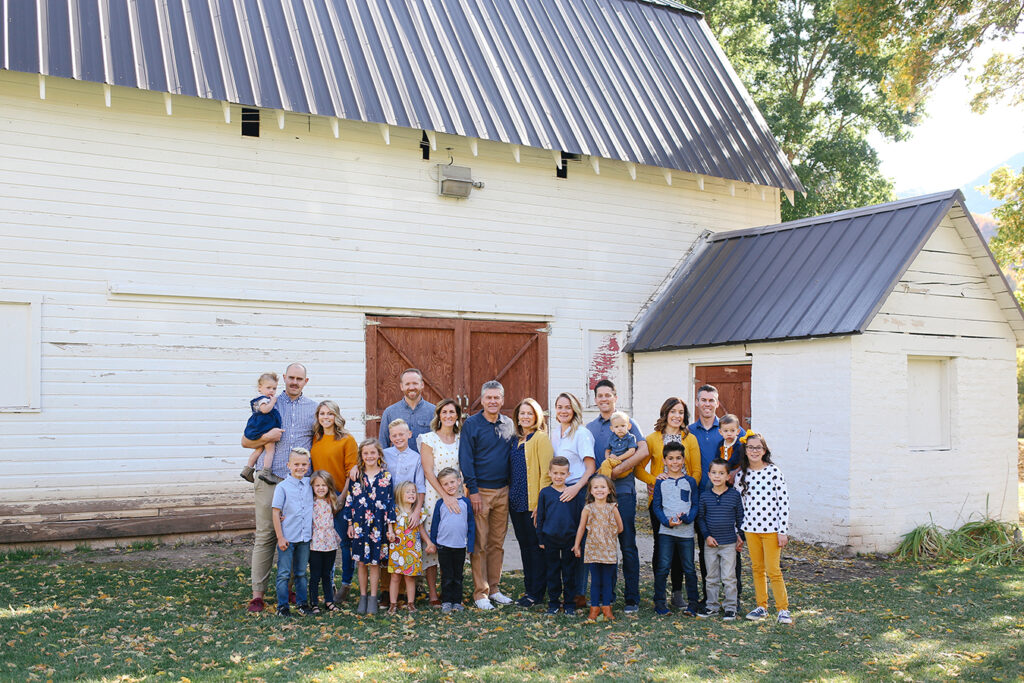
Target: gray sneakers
784,617
361,609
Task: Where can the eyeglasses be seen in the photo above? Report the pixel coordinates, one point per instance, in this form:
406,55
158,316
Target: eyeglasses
755,449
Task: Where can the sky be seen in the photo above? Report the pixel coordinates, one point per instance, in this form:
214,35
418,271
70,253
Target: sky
952,146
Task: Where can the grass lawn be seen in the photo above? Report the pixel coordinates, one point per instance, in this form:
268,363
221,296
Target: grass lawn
162,613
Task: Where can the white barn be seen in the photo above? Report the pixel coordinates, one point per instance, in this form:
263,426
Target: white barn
196,192
874,348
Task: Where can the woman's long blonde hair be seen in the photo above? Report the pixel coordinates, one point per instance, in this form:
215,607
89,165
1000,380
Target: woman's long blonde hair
540,425
577,411
339,422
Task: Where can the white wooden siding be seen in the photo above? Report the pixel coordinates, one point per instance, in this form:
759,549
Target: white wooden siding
177,260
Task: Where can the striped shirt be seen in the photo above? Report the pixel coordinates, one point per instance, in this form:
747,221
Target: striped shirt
297,420
721,514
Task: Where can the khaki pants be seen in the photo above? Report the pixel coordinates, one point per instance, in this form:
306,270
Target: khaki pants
265,542
489,549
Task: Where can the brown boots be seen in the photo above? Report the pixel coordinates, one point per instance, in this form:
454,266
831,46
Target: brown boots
594,613
603,611
606,610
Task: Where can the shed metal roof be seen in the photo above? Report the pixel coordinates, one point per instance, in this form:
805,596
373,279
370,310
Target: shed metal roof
816,277
634,80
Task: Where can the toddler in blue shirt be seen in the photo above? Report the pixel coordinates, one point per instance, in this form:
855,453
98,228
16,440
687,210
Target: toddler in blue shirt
621,446
453,533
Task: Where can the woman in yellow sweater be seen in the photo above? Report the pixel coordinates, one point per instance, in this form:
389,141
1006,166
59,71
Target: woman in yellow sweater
530,456
670,426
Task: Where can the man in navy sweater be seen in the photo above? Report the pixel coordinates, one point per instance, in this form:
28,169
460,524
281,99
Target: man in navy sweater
485,447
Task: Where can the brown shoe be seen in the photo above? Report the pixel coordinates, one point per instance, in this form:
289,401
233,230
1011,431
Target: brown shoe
343,593
393,609
247,474
581,601
256,605
594,613
606,610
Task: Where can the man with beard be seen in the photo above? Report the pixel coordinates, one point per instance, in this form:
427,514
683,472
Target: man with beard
413,408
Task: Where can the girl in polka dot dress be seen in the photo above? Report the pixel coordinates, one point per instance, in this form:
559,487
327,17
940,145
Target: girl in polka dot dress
765,523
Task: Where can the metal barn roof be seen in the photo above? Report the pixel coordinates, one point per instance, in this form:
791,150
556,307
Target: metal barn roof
821,276
635,80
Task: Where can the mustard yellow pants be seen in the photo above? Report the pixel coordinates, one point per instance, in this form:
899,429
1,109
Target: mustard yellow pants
765,554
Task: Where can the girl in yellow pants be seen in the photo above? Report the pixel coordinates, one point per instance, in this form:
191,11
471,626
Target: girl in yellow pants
765,525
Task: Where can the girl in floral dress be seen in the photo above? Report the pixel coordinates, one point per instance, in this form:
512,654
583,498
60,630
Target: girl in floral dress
369,508
405,559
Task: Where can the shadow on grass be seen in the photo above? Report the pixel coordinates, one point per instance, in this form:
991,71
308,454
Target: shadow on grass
95,622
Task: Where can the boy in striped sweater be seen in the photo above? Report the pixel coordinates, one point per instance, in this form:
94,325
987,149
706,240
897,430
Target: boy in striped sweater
719,518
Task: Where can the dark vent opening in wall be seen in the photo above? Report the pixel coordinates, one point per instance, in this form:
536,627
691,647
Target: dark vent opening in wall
425,145
563,171
250,122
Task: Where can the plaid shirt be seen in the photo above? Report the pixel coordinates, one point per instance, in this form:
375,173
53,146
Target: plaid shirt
297,420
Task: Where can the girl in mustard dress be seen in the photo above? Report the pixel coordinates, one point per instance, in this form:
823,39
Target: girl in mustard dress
405,557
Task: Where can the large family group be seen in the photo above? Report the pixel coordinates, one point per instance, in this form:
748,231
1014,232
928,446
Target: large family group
438,484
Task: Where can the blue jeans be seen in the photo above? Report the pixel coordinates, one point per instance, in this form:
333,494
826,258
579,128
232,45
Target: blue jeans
669,547
627,543
602,584
292,562
347,565
534,577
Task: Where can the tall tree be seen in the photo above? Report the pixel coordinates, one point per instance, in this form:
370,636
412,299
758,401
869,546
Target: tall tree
1008,243
929,39
821,96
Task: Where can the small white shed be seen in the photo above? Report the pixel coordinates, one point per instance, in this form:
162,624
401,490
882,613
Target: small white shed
879,345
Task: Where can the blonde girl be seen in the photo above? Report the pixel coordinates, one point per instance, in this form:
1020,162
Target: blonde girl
405,559
323,548
765,524
602,524
262,420
369,508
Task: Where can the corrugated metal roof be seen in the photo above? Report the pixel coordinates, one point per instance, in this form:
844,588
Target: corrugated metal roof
815,277
634,80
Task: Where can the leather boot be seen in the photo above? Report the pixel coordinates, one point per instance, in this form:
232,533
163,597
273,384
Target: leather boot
606,610
594,612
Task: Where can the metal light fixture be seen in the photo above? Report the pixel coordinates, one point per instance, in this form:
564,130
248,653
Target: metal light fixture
455,181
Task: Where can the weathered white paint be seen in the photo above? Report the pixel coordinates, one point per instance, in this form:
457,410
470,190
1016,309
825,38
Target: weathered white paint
835,411
177,260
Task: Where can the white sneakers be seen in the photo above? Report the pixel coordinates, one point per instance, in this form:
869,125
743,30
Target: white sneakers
483,603
501,599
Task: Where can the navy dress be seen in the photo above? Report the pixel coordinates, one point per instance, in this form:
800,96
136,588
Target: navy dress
261,423
369,507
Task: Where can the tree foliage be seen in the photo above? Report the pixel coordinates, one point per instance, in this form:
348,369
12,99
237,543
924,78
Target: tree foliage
929,39
819,93
1008,243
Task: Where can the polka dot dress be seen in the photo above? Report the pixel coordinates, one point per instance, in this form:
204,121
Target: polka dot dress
765,501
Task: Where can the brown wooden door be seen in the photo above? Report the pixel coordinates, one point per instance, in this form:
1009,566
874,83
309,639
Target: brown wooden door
456,356
733,384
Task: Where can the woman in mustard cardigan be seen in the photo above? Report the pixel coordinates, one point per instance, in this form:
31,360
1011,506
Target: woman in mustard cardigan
671,426
531,453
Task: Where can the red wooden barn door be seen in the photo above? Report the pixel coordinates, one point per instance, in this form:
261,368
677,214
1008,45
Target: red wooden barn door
515,354
456,356
733,384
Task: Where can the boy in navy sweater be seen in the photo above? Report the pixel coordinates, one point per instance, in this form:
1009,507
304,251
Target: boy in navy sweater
675,505
454,534
719,521
557,523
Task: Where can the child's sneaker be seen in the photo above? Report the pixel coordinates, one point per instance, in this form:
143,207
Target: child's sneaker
269,477
446,608
247,474
551,610
704,613
305,610
283,611
661,609
784,617
458,607
757,614
730,615
569,611
690,611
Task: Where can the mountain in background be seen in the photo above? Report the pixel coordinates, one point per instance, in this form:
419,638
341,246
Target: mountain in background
981,203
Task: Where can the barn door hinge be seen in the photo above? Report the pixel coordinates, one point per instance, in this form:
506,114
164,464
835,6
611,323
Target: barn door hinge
546,329
367,323
370,418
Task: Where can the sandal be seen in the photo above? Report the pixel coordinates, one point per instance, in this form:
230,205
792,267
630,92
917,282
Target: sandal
393,609
435,603
330,607
315,609
410,608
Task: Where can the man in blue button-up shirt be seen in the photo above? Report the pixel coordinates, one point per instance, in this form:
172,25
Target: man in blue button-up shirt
413,408
298,415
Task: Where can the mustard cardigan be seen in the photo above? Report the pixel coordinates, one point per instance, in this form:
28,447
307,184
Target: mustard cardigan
538,456
655,446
